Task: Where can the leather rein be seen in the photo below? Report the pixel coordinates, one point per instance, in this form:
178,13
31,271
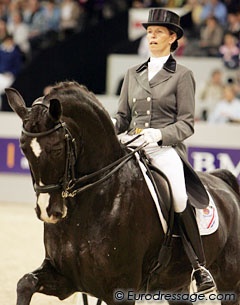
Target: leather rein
69,184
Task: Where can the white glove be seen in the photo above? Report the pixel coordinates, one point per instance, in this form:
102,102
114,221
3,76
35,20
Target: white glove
151,135
114,121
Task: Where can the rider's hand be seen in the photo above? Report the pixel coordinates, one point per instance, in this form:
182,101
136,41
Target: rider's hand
152,135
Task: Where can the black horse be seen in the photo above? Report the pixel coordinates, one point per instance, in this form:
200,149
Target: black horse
101,229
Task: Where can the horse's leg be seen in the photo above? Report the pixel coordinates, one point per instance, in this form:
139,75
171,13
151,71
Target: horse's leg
44,280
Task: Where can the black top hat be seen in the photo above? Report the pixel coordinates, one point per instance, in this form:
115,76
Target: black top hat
169,19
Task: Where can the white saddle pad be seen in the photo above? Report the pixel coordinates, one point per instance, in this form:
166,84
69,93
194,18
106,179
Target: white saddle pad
207,218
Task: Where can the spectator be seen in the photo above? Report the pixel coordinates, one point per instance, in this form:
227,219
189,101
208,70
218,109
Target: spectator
34,16
52,15
228,109
211,36
214,8
70,17
233,25
10,62
3,30
196,8
230,51
210,94
20,32
3,11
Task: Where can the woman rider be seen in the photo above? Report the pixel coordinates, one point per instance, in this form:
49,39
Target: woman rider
157,101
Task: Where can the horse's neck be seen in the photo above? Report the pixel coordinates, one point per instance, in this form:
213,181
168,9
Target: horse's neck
97,146
98,154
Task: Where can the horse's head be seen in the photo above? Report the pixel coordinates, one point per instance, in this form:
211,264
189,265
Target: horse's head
56,146
43,143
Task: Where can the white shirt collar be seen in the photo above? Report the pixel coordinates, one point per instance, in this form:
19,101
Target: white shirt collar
155,65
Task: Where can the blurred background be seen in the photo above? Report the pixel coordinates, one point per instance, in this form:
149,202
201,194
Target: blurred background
94,42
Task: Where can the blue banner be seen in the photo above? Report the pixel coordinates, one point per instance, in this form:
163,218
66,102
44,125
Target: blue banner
12,159
207,159
202,159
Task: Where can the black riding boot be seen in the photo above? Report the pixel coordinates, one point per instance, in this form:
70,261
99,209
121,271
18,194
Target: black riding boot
194,249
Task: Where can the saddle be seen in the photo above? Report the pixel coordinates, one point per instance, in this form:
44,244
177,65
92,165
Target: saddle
198,197
197,194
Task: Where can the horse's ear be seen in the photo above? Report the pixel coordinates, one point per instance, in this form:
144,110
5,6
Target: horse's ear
16,102
55,109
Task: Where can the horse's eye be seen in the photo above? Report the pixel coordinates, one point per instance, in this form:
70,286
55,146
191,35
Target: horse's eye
56,152
53,149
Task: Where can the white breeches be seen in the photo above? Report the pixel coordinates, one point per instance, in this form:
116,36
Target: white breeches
169,162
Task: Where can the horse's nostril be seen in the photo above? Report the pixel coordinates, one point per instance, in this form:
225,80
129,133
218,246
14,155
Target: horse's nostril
57,214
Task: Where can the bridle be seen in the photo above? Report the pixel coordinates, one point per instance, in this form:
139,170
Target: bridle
69,184
69,173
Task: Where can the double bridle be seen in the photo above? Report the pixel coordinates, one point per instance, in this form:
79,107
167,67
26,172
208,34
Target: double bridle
69,184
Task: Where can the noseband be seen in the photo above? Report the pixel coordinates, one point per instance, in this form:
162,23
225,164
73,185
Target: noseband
69,184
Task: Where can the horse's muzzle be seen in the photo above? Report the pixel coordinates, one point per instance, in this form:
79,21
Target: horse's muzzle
50,212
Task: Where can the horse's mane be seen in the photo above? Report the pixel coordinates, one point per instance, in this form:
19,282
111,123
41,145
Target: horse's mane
81,106
71,93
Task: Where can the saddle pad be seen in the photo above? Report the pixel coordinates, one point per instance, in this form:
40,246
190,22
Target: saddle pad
207,219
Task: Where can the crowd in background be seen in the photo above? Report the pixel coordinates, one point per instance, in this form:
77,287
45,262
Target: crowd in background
219,98
28,26
215,32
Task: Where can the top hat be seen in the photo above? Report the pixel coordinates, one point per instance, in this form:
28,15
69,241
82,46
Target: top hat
169,19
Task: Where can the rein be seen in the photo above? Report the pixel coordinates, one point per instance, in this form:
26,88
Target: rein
69,184
72,190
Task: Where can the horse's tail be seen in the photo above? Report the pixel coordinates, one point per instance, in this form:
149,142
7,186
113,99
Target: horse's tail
227,177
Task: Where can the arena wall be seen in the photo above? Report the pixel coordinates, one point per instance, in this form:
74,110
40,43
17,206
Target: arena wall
212,146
